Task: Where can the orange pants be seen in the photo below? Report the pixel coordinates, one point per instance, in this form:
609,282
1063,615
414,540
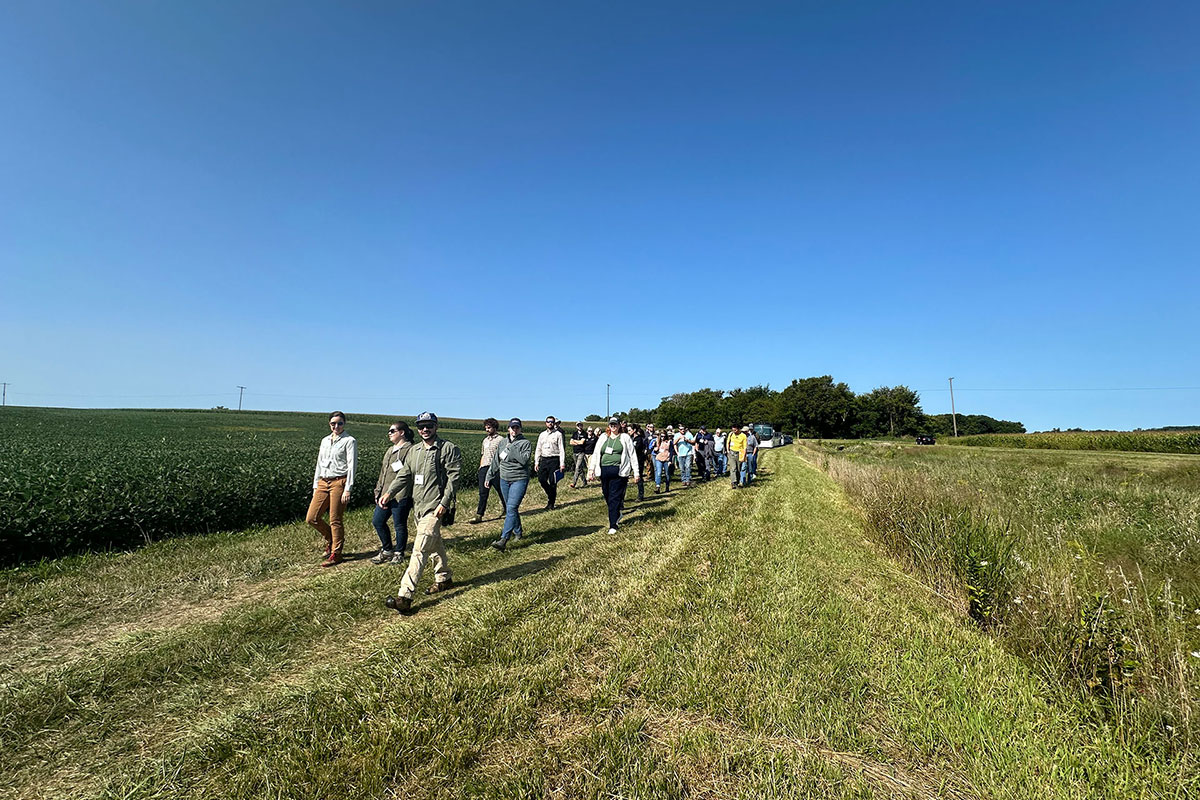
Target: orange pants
328,496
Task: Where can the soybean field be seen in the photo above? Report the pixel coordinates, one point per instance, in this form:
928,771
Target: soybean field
79,480
1128,441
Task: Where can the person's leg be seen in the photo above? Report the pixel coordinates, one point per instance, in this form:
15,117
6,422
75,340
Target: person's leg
317,509
515,495
379,522
614,492
422,547
685,469
580,461
607,478
546,478
509,512
437,552
336,487
641,484
484,491
400,512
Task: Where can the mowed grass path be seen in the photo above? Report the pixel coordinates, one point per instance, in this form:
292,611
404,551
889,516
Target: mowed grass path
724,644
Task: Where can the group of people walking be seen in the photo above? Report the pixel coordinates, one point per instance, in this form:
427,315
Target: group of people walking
421,477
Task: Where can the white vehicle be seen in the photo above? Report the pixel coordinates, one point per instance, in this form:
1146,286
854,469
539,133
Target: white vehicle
767,438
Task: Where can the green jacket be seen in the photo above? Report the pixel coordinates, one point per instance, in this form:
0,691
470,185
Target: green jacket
390,481
431,472
515,465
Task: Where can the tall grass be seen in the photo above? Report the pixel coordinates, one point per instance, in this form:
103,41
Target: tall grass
1046,557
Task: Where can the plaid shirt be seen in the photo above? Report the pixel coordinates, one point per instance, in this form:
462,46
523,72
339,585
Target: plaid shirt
490,443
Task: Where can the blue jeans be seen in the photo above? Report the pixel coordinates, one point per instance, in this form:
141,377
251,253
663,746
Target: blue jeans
753,459
721,463
398,511
513,493
685,468
744,471
613,488
662,473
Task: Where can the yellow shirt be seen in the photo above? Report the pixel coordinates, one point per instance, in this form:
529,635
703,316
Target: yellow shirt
737,443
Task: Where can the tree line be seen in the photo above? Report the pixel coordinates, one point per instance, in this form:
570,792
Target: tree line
817,408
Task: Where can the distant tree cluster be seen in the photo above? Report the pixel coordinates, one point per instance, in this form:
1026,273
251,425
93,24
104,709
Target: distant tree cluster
817,408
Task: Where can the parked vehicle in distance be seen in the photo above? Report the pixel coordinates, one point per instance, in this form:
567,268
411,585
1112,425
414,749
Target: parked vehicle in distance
785,439
926,440
766,435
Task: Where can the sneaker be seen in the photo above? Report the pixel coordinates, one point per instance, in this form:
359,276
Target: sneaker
475,520
402,605
612,531
440,587
499,544
382,556
398,557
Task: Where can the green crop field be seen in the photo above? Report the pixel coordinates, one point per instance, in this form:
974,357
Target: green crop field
80,480
880,621
1130,441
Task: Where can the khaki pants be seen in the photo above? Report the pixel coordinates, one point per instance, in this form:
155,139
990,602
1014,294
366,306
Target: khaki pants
428,545
328,497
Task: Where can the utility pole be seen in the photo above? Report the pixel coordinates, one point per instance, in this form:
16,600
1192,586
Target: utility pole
241,391
953,416
4,397
607,399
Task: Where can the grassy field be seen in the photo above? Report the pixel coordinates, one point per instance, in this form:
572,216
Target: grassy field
1086,564
723,644
1129,441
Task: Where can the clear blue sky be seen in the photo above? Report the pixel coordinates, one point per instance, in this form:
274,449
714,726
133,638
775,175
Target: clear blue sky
498,208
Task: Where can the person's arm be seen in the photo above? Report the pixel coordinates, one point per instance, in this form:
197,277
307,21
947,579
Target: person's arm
493,468
594,460
317,468
453,465
562,451
351,466
537,452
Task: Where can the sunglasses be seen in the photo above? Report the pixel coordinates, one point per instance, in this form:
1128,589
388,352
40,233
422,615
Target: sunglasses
393,430
426,426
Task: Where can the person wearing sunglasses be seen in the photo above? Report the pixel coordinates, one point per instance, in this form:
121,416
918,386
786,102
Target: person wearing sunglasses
393,496
431,467
332,481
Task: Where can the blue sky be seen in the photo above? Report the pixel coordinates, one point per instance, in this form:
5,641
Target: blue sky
486,208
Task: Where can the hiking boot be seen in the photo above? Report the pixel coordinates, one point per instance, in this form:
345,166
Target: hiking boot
402,605
440,587
382,556
499,544
399,557
475,520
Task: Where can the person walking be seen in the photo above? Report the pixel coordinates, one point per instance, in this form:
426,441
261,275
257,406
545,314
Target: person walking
579,449
684,447
490,442
433,466
589,447
719,452
614,462
737,457
332,481
664,454
704,454
393,496
549,457
751,453
641,452
510,469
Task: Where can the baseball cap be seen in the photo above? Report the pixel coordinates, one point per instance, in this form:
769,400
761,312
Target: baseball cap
427,416
614,421
514,423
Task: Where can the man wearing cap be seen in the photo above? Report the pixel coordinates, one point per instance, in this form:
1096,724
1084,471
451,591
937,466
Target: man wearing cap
751,454
579,446
550,456
332,482
510,467
433,466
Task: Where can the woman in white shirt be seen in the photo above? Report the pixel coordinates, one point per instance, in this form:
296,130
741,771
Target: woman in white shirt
614,462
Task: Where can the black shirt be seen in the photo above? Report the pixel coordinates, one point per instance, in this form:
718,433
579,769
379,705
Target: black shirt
590,446
579,448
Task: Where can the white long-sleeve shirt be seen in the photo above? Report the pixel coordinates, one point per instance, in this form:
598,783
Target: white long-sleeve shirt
550,445
337,458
